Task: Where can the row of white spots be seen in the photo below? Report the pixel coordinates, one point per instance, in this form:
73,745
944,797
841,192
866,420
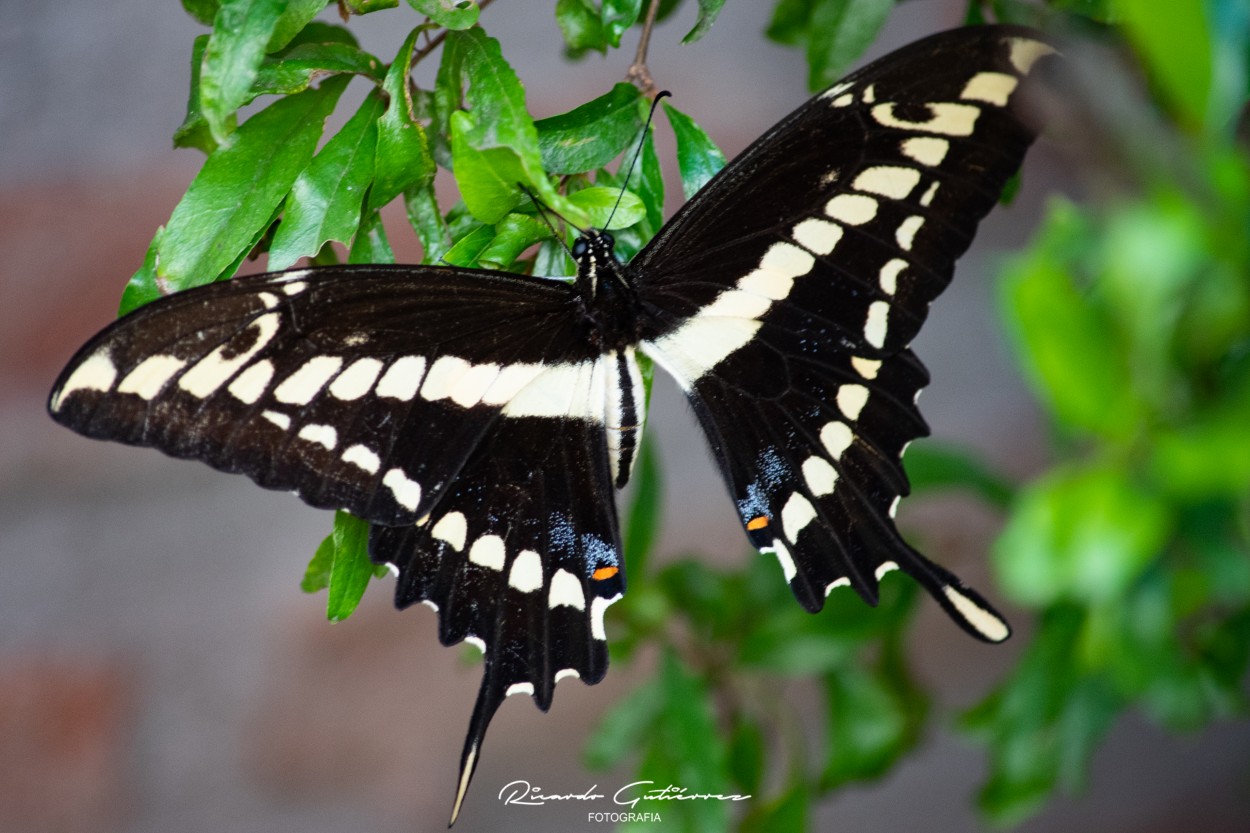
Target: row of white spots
212,371
97,372
927,150
733,317
150,376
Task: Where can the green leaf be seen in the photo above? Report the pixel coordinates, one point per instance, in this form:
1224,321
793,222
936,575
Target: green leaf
241,32
698,157
426,220
370,244
642,521
317,574
194,132
708,12
790,21
450,14
301,65
1157,28
352,569
359,7
617,16
403,158
1066,344
582,26
931,465
142,287
494,144
470,247
874,717
1079,533
231,201
202,10
650,186
601,204
747,751
624,727
789,811
296,15
591,135
513,235
840,31
325,201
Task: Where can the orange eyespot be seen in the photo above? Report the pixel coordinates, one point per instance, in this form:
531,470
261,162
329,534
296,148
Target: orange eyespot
604,573
757,523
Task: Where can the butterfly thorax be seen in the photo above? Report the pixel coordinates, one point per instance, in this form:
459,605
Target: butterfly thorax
606,290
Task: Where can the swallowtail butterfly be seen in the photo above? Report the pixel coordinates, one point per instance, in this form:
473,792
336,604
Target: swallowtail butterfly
479,421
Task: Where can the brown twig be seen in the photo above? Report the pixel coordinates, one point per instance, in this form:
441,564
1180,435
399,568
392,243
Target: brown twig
638,74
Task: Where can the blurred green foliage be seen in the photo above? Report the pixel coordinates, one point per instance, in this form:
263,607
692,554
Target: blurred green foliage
1130,315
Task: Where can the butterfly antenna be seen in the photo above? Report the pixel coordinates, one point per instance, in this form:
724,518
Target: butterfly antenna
542,212
629,172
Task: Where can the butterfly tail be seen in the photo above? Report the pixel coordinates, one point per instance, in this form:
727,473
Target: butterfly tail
489,697
966,606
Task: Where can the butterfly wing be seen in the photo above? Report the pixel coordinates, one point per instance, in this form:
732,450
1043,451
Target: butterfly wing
784,295
403,395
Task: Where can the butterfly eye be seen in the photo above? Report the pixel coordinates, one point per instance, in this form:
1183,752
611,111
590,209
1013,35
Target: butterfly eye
607,238
579,248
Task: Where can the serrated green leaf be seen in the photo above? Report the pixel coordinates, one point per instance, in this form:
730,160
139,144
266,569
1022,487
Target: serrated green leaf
231,201
494,143
591,135
352,569
698,157
241,31
708,12
403,157
370,244
325,201
623,208
450,14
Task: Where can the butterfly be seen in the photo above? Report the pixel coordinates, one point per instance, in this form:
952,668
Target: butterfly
481,421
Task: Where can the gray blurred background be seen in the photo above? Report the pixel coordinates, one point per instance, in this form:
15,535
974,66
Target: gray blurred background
160,669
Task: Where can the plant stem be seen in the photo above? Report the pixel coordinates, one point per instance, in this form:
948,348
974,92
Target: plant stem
638,73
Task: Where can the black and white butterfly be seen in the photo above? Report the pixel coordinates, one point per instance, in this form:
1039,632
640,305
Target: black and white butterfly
480,421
